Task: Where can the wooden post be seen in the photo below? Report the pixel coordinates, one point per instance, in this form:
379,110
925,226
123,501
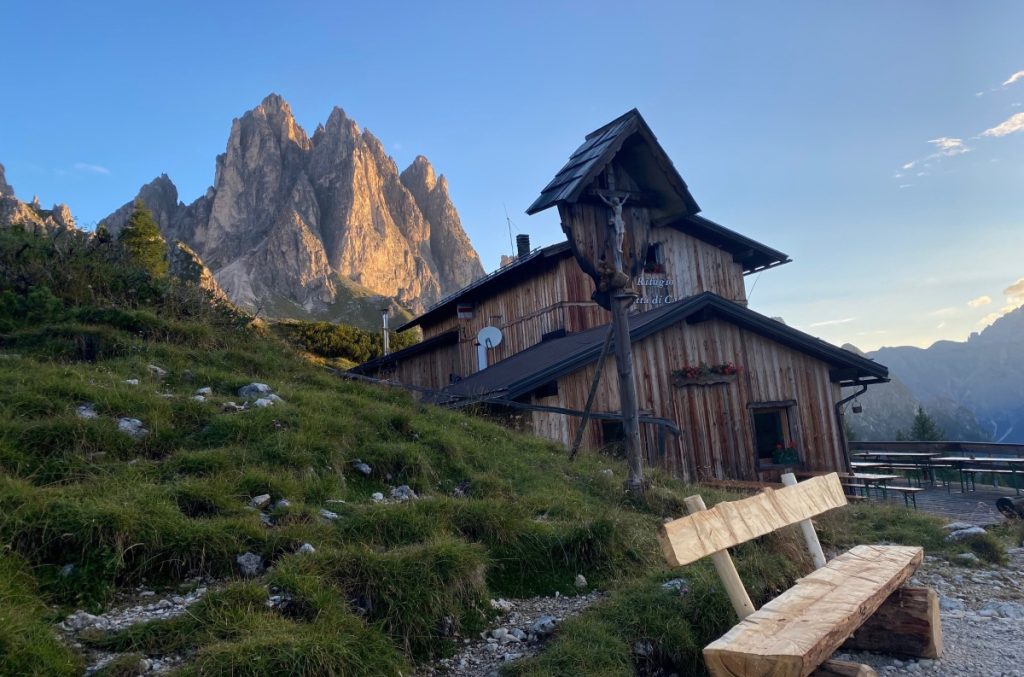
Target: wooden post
726,569
806,526
627,393
835,668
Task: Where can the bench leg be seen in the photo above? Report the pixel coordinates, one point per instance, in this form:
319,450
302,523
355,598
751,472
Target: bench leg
907,624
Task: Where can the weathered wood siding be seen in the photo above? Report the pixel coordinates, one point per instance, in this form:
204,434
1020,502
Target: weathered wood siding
428,370
718,435
692,266
556,298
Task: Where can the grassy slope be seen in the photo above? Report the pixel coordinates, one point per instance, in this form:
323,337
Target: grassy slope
389,584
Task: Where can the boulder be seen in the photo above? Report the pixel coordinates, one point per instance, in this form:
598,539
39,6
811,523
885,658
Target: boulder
205,392
249,564
964,534
86,411
132,427
260,502
254,390
363,468
159,372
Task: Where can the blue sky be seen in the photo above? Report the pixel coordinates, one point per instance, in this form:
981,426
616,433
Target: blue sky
792,123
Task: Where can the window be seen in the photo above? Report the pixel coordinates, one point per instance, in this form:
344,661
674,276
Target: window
613,437
549,389
775,431
653,262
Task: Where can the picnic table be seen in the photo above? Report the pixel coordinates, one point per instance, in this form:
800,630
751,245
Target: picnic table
866,464
922,460
1013,464
873,479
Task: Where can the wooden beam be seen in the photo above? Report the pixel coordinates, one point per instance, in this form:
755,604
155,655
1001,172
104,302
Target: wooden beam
797,631
907,624
726,569
689,538
836,668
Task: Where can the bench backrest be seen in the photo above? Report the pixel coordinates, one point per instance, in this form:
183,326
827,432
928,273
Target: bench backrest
690,538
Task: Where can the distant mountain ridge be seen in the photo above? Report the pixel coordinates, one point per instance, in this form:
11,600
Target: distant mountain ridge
974,389
293,224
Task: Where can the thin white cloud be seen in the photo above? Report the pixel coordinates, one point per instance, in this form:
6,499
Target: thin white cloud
1014,299
905,185
948,311
945,146
980,301
91,168
1014,123
1019,75
949,146
829,323
1015,292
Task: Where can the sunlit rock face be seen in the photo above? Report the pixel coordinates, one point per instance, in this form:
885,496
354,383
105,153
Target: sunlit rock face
288,214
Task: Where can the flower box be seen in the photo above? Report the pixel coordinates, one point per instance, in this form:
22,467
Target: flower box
705,375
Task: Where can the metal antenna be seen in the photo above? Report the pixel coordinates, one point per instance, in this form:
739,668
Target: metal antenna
508,222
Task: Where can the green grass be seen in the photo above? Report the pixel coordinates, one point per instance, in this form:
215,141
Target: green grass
389,585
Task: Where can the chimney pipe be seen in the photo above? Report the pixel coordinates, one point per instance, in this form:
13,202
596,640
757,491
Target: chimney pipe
387,342
522,244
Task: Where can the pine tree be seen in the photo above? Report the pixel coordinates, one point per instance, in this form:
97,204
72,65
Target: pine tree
924,428
142,240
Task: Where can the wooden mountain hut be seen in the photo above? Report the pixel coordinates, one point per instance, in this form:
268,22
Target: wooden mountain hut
744,396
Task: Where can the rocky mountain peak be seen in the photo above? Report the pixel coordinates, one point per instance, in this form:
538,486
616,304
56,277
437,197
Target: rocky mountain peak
288,216
5,188
420,173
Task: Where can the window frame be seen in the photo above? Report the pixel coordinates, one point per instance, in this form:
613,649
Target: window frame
790,415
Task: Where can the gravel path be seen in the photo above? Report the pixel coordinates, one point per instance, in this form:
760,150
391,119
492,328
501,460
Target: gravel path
519,631
982,622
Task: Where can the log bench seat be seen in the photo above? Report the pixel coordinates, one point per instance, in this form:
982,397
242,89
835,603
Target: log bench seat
857,600
802,627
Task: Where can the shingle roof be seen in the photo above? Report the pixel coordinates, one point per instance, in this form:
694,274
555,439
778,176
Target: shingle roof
597,151
526,371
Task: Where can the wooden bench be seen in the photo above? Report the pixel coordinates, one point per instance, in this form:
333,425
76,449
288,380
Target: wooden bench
857,600
909,494
971,475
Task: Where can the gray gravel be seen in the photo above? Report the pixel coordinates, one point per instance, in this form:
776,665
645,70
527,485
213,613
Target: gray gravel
982,622
520,630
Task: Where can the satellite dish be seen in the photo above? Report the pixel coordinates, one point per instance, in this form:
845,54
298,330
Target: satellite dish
488,337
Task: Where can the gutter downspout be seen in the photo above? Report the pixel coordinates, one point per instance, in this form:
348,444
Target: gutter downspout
842,427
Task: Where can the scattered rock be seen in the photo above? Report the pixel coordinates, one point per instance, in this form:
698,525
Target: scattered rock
260,502
964,534
502,605
580,582
643,649
677,585
377,497
1011,610
543,626
132,381
231,407
275,398
328,515
607,472
67,570
951,604
249,564
263,402
205,392
159,372
968,558
958,526
363,468
255,390
403,493
282,503
132,427
87,411
307,549
199,398
461,490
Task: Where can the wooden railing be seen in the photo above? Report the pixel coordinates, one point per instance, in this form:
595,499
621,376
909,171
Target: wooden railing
975,448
